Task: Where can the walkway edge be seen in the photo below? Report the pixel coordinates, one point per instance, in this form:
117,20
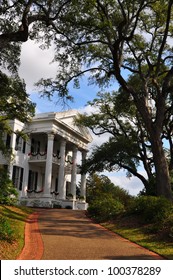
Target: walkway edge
33,246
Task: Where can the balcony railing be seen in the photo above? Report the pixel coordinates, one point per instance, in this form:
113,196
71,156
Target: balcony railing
37,156
42,156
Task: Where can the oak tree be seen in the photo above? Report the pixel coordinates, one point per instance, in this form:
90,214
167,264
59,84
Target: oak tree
111,40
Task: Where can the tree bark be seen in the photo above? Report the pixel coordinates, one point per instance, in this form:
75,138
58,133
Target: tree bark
163,184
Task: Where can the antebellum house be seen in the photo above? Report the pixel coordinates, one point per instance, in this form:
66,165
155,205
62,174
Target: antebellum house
44,167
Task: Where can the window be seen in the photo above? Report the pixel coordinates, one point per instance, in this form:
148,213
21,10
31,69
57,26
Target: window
35,146
8,141
20,144
6,138
68,187
32,180
17,177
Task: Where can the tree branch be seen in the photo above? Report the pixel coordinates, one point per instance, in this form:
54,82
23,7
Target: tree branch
168,19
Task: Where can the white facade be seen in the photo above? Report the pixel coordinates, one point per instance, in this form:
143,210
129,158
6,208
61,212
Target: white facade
44,167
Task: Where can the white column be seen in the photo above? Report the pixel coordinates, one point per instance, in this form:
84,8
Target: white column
61,185
12,145
74,172
83,177
48,172
26,168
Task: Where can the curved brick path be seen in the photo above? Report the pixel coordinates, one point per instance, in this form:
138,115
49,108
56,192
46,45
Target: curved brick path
66,234
33,249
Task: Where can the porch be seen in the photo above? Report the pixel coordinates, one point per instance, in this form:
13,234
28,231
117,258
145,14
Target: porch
37,201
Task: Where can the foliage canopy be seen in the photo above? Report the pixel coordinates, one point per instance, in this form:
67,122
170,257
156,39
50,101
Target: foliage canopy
14,103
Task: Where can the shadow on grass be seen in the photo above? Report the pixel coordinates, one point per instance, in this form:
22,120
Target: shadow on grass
14,214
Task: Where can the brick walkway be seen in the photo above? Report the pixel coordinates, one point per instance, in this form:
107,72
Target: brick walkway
33,249
66,234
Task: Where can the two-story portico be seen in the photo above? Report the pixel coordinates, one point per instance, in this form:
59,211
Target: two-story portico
44,168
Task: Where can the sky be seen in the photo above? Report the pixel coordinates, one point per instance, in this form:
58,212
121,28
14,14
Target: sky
36,64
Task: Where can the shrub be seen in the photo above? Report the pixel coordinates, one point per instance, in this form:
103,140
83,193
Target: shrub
168,226
105,209
57,206
6,232
69,196
8,193
68,207
151,209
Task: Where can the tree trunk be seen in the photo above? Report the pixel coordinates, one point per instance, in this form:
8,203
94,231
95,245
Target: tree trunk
163,184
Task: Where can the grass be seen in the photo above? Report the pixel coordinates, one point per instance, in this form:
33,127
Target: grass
15,217
144,235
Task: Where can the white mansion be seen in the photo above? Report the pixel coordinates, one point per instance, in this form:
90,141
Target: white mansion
44,167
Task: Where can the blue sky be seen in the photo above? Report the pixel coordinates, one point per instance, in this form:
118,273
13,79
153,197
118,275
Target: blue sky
35,64
81,97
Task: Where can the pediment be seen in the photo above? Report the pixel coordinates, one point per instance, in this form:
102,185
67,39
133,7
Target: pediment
67,118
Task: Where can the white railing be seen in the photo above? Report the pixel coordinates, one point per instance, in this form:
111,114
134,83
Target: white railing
43,157
38,156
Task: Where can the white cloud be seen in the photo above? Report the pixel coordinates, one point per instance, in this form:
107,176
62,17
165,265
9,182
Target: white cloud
132,185
87,109
35,64
97,139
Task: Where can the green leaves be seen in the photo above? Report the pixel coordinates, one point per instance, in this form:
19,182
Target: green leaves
14,102
8,193
128,146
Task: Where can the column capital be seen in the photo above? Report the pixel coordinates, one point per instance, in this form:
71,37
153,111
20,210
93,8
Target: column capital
75,149
63,142
50,136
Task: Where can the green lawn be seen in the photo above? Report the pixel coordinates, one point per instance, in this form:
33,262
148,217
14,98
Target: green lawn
144,235
15,218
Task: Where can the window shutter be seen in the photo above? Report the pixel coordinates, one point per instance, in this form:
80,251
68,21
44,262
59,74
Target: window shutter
24,147
8,140
36,179
30,180
56,185
21,179
14,174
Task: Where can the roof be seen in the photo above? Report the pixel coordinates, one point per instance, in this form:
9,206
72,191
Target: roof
66,119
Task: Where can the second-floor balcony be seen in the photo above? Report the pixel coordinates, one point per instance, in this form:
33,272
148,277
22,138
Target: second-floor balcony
42,156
